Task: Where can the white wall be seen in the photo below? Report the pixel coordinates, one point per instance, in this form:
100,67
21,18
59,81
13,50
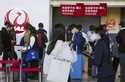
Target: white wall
38,10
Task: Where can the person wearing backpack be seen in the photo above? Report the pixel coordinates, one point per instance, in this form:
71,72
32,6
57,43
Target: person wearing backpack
78,45
41,40
121,48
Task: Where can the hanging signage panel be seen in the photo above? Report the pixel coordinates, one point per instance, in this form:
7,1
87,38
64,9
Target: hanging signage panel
84,10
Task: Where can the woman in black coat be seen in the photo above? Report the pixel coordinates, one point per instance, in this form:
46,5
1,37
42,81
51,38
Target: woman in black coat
7,45
6,41
102,57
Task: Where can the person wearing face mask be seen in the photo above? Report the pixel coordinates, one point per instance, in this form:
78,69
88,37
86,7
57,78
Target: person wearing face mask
91,34
78,39
92,39
78,45
102,58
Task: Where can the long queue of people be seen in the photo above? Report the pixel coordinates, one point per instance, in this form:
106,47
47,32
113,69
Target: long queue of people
67,47
96,44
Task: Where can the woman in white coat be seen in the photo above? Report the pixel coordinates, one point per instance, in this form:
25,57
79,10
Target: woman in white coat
61,52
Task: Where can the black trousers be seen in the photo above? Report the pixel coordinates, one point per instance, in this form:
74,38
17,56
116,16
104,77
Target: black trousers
115,64
106,79
122,73
41,52
69,79
10,54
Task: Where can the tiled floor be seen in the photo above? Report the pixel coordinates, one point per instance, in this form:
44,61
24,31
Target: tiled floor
91,80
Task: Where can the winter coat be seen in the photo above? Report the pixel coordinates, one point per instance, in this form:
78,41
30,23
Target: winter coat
102,58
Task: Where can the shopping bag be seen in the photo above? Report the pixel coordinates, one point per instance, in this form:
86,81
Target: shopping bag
58,71
46,63
68,53
30,55
75,57
77,68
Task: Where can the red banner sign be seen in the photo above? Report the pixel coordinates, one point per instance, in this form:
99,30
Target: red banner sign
83,10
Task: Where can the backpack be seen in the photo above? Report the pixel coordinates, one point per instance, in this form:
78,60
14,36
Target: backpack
40,39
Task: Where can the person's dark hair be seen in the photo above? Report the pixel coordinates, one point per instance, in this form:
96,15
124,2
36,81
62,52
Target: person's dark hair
32,29
79,27
69,28
69,33
122,24
92,27
40,25
101,30
60,26
8,24
4,30
59,34
104,26
72,26
4,35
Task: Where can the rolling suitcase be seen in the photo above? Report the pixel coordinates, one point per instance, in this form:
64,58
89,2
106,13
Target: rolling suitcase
77,68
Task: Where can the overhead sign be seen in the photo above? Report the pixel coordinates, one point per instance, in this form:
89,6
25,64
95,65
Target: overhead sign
83,10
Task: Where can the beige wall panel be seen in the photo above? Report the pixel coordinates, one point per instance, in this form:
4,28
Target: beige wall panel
113,13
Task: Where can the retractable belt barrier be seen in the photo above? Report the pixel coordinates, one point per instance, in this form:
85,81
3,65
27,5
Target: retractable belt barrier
26,69
11,67
16,69
11,62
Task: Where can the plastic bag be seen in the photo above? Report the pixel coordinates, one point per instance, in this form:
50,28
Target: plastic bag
58,71
30,55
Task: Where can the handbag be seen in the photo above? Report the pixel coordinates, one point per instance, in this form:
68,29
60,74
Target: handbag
60,63
31,55
46,63
58,71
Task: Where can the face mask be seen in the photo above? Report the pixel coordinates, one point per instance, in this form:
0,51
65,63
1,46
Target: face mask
74,30
97,37
94,37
